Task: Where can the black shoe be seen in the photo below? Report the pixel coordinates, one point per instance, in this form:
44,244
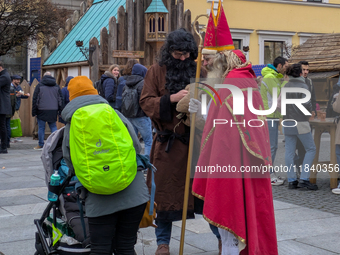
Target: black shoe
293,185
307,184
4,151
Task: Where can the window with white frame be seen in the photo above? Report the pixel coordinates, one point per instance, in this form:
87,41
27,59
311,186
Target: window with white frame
272,45
272,50
237,44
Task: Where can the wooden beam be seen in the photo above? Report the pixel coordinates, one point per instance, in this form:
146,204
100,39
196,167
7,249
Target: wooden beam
94,75
121,31
173,17
112,39
180,11
130,25
104,41
58,78
84,63
187,20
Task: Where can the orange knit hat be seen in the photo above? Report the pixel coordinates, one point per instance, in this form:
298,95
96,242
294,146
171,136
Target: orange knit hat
81,86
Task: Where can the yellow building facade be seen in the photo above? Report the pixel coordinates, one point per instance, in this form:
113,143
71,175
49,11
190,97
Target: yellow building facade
271,27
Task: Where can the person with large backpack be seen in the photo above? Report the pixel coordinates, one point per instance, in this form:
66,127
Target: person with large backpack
126,71
100,146
131,108
109,84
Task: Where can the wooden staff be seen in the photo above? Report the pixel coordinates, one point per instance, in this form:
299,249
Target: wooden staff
191,142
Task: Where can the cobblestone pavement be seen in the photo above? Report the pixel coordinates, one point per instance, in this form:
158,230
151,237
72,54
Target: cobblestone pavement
322,199
300,230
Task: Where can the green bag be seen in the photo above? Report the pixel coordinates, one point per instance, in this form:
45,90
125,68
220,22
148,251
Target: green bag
101,150
16,128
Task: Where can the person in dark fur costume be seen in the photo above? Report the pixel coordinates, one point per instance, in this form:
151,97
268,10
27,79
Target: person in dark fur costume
164,86
178,54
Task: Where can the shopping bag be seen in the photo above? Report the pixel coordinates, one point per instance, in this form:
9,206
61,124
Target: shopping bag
16,128
150,214
148,220
16,115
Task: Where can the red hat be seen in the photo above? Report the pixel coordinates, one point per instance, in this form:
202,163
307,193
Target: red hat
217,36
240,55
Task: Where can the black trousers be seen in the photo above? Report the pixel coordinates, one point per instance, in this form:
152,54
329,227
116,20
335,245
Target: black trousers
116,232
3,132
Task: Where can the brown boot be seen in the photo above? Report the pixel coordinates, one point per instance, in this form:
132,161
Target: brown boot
219,247
163,249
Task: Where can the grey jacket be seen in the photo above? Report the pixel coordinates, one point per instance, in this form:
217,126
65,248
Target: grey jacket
98,205
293,112
47,100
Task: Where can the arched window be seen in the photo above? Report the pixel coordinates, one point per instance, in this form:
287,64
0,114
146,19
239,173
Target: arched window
152,24
161,24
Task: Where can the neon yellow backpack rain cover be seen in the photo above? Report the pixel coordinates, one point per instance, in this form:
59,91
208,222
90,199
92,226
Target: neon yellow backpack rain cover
101,149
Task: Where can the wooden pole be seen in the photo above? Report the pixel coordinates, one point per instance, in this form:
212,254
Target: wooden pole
191,141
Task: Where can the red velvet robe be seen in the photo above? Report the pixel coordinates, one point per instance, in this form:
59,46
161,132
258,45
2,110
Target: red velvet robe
241,203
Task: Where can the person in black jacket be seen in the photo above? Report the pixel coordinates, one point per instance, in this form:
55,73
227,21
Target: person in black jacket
9,116
5,105
109,82
140,121
47,103
297,127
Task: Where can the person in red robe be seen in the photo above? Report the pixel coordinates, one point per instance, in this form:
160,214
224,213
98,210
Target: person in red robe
239,203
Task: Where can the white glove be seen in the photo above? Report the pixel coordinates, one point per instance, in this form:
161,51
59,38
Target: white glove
195,107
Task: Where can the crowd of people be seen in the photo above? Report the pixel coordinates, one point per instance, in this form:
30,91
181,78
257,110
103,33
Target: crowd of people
146,101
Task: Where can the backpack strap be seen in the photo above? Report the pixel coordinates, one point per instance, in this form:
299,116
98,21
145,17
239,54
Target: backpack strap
81,210
144,162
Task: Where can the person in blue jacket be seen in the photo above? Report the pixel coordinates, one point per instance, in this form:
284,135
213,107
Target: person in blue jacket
109,81
66,96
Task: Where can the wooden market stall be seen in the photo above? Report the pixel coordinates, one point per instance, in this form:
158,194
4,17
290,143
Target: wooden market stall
323,55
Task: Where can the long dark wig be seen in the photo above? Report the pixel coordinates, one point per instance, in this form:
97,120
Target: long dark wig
179,72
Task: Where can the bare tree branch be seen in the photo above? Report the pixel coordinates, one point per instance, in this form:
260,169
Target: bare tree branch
24,20
289,49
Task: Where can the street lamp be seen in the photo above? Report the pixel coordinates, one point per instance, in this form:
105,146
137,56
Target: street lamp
87,52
